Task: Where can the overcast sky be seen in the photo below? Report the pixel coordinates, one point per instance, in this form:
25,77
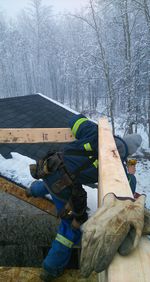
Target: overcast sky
13,7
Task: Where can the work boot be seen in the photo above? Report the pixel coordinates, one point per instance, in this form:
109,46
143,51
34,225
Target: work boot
48,277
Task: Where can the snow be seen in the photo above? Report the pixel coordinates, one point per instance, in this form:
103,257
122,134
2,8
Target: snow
17,168
143,179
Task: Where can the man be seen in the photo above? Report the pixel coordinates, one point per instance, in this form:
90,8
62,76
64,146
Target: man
63,175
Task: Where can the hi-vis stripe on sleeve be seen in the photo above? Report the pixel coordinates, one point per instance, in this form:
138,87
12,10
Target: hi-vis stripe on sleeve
77,124
64,241
96,163
87,147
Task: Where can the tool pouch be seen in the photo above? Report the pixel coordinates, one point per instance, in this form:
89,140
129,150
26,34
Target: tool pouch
54,162
46,166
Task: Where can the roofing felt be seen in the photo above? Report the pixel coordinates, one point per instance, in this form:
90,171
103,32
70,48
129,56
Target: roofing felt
31,111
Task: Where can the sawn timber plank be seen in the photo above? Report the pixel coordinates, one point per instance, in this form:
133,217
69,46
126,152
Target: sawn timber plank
15,190
112,178
35,135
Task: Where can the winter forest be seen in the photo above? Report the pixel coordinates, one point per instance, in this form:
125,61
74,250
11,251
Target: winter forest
97,60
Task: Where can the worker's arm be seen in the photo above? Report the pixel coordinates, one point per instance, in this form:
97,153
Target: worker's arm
82,127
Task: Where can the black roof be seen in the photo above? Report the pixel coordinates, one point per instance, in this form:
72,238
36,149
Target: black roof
32,111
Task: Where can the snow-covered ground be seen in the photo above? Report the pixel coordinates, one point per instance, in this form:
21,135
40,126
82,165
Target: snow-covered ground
143,179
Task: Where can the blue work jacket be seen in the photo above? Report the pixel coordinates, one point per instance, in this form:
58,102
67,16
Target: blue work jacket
86,134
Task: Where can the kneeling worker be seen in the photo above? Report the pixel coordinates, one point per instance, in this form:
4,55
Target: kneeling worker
63,175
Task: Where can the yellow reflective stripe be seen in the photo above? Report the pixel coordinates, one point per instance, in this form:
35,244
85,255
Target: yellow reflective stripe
64,241
87,147
77,124
96,163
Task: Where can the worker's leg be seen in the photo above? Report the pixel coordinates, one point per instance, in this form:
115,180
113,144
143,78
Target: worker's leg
68,234
37,189
61,249
60,252
40,188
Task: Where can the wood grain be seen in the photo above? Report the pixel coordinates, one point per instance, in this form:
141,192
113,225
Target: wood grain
35,135
112,178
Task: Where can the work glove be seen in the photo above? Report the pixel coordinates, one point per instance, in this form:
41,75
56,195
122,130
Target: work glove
106,230
146,229
128,242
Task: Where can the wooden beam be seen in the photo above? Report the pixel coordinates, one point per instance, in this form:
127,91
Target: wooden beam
134,267
112,175
112,178
35,135
18,192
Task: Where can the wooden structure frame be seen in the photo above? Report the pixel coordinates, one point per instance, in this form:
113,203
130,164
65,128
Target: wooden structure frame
134,267
35,135
112,178
17,191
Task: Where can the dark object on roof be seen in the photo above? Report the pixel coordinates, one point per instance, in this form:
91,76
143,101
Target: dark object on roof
32,111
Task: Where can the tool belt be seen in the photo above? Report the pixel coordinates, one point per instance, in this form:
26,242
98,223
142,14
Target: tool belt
47,166
56,163
76,206
67,178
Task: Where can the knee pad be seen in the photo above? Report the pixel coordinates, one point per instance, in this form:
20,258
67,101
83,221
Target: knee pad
38,189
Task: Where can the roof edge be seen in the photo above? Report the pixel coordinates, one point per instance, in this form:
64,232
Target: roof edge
63,106
58,103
